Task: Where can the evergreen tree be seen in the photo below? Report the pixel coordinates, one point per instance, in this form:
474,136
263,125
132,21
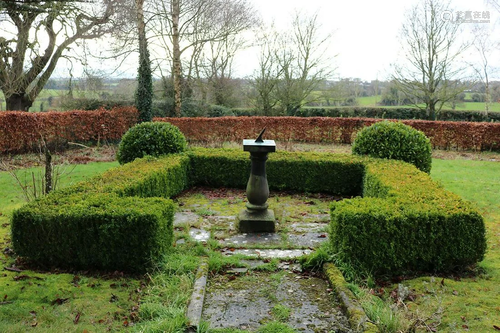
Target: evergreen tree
144,92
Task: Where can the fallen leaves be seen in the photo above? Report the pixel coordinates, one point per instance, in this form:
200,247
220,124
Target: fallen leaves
77,318
59,301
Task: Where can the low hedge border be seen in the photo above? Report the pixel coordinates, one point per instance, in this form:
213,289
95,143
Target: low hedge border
404,221
121,220
94,230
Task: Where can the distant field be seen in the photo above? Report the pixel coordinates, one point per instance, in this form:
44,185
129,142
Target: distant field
42,102
468,106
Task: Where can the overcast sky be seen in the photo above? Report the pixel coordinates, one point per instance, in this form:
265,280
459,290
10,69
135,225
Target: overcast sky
365,32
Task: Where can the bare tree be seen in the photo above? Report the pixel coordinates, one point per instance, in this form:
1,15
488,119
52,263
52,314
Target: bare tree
38,34
218,68
186,26
432,48
484,46
302,62
265,79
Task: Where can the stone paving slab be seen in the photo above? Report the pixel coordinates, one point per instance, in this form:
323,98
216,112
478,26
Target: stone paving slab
252,239
309,239
267,253
308,227
182,218
246,302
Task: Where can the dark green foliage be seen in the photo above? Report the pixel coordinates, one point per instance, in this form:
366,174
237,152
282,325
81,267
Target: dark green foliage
106,222
94,231
150,138
148,177
315,172
144,92
285,171
220,111
400,113
395,141
91,104
219,167
405,223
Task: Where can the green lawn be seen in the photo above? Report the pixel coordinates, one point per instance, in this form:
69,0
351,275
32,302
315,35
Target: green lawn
468,106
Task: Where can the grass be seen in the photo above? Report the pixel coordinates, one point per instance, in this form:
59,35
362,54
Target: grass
466,106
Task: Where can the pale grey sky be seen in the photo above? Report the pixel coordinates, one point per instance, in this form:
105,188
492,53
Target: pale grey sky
365,37
365,34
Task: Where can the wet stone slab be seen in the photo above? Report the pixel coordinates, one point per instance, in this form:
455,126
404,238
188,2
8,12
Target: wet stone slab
267,253
309,239
252,239
308,227
199,235
249,301
185,218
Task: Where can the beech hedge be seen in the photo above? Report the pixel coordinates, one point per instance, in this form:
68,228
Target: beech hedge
443,134
398,221
22,131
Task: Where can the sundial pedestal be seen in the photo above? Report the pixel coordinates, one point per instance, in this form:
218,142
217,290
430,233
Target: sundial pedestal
257,217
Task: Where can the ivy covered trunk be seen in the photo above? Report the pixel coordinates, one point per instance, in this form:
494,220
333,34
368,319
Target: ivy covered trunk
144,93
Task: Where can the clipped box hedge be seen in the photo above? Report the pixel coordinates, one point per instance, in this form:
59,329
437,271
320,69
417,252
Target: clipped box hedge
94,230
405,222
400,220
109,222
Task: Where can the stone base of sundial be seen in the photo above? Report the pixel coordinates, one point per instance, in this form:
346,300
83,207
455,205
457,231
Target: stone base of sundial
256,219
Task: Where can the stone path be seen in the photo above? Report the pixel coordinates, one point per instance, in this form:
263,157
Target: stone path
247,298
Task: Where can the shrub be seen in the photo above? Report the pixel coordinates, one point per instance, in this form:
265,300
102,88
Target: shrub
94,231
220,111
107,222
408,113
149,138
405,223
395,141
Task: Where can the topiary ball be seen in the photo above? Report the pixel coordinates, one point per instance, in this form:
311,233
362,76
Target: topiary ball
150,138
396,141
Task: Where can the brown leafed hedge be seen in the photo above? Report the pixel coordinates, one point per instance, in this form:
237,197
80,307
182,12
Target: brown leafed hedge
22,131
443,134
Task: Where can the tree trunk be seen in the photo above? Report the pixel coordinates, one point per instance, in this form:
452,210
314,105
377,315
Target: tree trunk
176,58
431,110
18,102
48,170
